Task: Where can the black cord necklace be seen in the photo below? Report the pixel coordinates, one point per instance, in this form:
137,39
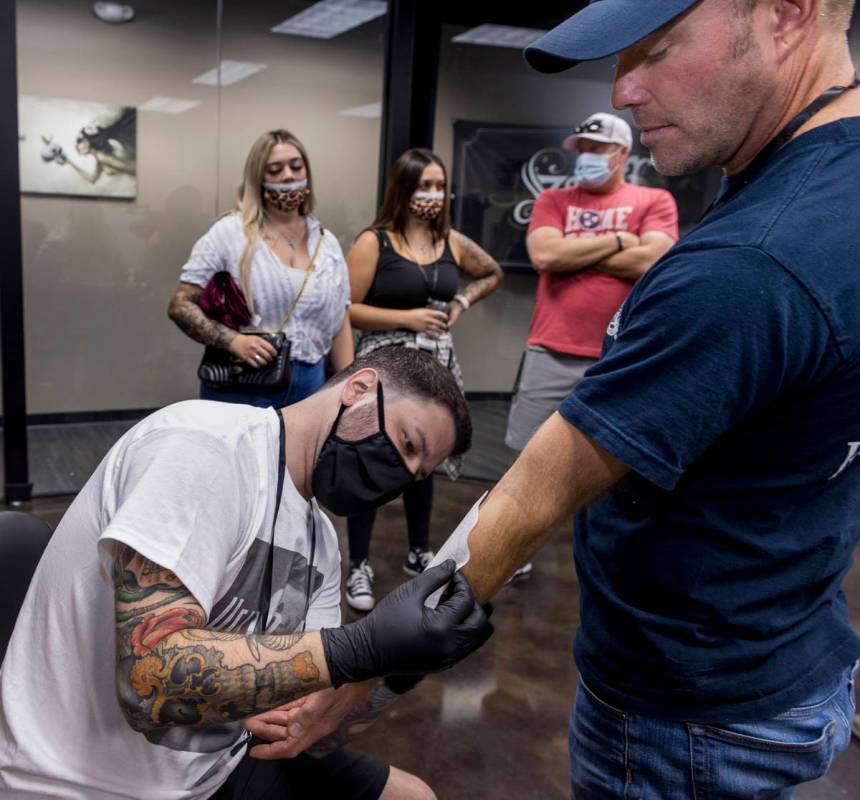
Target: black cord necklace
431,288
731,185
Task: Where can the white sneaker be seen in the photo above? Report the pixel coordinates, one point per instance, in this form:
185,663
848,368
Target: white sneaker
359,586
520,574
417,560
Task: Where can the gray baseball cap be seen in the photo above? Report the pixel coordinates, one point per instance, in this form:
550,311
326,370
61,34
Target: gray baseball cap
602,28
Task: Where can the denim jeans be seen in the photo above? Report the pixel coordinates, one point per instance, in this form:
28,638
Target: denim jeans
619,754
305,379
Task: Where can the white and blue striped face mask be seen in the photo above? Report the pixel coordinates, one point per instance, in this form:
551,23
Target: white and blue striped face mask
285,196
427,205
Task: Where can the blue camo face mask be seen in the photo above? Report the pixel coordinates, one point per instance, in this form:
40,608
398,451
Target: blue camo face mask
592,169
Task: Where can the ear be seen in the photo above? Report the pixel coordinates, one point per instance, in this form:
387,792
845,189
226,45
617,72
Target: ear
359,385
792,21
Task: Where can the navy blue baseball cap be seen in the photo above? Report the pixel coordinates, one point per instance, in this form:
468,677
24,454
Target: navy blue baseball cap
602,28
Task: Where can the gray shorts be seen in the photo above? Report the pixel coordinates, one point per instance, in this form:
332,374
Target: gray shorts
544,380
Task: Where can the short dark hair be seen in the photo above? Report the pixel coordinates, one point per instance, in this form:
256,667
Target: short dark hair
410,372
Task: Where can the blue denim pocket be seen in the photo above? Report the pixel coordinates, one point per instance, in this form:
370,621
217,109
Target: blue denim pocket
766,758
598,748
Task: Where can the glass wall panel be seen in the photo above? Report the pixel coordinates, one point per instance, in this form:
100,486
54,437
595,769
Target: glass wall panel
102,246
118,165
326,91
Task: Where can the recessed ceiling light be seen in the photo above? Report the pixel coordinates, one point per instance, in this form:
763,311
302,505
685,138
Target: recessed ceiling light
499,36
168,105
330,18
113,12
231,72
370,111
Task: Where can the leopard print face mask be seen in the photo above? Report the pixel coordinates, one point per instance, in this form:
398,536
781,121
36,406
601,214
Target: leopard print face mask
285,196
427,205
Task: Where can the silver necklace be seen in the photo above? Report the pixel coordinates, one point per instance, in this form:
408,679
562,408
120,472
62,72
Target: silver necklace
272,236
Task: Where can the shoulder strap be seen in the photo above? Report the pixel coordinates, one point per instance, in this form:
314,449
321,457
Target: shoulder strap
308,271
266,590
382,237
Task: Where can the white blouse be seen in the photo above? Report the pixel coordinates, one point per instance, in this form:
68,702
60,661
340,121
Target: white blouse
318,315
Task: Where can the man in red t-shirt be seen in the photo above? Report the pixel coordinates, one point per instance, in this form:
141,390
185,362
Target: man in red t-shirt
590,243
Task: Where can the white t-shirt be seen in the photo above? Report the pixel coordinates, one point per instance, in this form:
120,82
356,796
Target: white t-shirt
192,487
317,316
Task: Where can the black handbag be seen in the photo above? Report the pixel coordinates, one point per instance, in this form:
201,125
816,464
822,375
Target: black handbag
220,369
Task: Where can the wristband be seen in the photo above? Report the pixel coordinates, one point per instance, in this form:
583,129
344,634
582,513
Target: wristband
462,300
620,242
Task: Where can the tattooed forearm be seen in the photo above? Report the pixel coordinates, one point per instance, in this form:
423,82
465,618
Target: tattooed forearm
280,643
187,314
479,264
184,681
170,670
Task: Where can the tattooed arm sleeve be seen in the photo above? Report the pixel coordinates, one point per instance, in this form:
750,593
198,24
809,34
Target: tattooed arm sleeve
172,671
188,315
477,263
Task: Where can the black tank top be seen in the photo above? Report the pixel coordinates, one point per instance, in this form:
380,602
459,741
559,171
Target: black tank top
401,283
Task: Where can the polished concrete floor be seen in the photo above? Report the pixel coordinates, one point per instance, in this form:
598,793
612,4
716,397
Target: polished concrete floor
494,727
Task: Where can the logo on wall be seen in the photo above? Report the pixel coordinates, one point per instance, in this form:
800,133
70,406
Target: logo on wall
500,170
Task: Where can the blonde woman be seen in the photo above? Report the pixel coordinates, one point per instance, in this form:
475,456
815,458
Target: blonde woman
266,244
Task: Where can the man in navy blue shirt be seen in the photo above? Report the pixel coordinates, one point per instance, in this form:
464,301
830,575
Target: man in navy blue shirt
712,455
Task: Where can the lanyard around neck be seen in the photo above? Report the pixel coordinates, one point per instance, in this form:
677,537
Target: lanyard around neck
731,185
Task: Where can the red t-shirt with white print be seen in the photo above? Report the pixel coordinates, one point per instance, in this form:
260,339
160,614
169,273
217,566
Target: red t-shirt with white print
573,309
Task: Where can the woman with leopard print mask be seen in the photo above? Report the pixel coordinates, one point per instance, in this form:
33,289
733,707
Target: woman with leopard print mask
405,272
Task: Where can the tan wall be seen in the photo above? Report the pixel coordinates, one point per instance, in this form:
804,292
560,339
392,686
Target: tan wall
98,273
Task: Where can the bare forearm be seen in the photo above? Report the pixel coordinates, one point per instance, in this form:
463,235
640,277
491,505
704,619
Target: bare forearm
559,472
373,318
573,254
89,177
342,348
198,677
629,264
191,320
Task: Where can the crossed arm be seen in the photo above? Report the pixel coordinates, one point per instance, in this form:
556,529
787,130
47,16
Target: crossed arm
172,671
550,251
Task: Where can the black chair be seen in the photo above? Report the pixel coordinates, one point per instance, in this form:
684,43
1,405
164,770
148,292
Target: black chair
22,540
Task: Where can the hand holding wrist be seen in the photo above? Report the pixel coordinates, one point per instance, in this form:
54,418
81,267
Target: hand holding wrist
403,636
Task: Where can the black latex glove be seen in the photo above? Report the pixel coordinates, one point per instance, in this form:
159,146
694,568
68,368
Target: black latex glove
401,635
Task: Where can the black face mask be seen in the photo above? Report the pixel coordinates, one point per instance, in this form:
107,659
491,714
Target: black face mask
352,477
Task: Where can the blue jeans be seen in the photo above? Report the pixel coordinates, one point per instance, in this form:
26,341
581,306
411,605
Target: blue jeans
305,379
619,754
